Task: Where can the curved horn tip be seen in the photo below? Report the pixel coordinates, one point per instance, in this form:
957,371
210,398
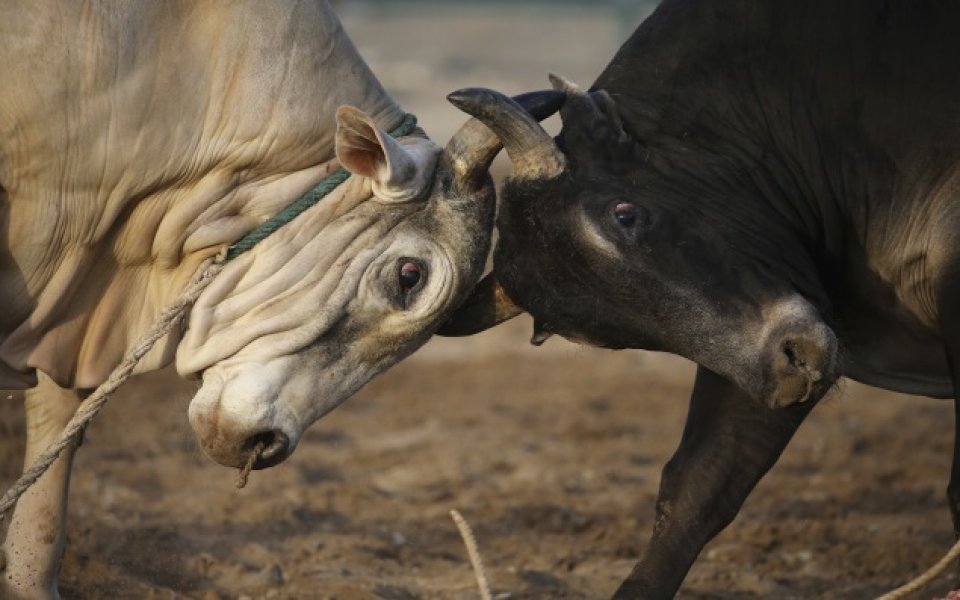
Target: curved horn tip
561,83
466,98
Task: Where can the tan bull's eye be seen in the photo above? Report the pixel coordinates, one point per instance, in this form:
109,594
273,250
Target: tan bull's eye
410,274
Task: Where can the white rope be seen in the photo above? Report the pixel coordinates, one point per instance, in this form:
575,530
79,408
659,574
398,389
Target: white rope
926,577
473,552
89,408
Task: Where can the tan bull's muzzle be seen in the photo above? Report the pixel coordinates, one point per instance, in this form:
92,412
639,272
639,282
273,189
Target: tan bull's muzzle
232,419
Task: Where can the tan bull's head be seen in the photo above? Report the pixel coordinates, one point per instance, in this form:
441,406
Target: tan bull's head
292,328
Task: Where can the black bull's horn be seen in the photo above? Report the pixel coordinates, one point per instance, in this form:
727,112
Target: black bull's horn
511,123
498,122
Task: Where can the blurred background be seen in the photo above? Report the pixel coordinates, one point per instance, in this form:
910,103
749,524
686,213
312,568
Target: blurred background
552,453
421,50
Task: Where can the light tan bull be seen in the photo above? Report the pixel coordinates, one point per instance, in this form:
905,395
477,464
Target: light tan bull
138,139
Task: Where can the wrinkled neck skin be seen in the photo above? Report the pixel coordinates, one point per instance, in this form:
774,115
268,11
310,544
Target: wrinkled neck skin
135,144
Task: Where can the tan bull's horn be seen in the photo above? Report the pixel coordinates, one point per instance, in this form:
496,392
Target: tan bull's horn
472,149
532,151
487,306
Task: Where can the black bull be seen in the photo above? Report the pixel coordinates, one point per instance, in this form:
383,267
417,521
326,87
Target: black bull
767,188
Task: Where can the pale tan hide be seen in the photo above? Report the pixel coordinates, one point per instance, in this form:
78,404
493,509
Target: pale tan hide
138,139
136,144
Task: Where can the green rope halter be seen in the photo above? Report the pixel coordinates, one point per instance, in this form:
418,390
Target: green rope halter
310,198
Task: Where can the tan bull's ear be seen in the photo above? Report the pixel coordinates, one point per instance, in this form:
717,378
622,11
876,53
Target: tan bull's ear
365,149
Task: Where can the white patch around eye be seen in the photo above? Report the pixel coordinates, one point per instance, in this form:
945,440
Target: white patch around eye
435,293
438,291
592,235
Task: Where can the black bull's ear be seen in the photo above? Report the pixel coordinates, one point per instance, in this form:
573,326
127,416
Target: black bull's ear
488,305
591,123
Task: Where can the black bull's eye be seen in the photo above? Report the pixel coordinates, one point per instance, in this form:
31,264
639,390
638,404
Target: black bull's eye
625,213
409,274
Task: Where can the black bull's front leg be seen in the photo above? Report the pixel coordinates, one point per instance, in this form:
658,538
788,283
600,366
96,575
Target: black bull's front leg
729,442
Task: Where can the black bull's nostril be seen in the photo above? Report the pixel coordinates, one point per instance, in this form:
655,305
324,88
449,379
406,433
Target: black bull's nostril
275,444
802,355
802,366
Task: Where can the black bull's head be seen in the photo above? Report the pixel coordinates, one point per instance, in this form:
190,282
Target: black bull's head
603,244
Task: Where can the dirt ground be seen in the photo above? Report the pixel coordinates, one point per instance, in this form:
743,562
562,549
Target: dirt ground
553,454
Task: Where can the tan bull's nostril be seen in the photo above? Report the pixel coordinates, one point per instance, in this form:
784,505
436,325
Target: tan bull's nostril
263,450
275,447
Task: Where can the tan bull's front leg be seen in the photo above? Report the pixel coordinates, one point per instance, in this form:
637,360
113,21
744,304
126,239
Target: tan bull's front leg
35,539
